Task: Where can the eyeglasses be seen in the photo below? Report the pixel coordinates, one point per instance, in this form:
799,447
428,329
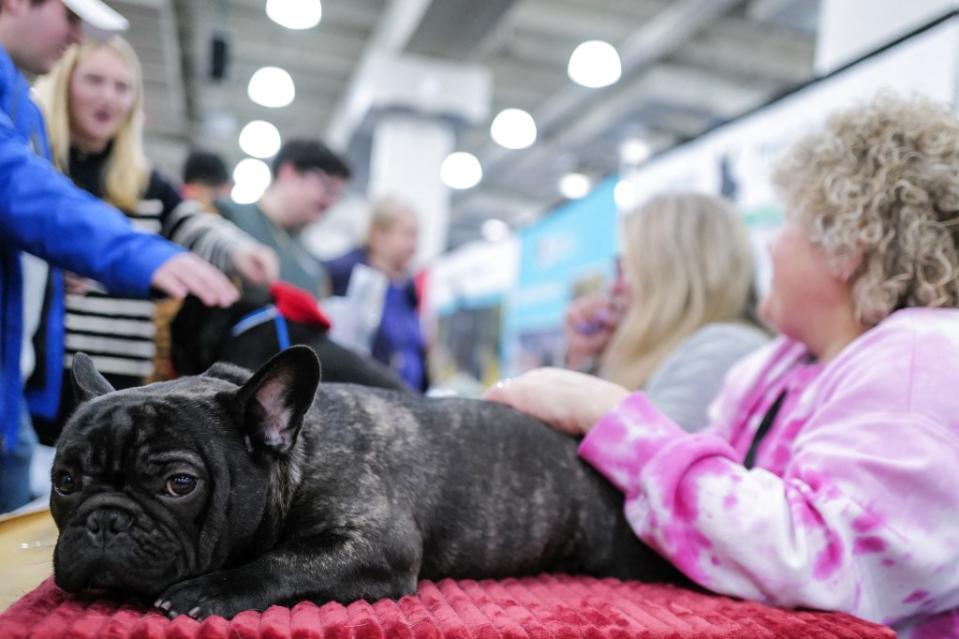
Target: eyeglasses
334,186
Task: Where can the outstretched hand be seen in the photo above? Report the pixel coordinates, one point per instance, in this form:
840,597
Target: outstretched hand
185,273
257,263
566,400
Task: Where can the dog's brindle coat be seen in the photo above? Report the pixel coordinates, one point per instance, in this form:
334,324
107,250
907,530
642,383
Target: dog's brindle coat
225,492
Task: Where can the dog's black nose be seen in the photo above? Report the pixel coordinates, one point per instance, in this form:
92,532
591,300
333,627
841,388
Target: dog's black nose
104,523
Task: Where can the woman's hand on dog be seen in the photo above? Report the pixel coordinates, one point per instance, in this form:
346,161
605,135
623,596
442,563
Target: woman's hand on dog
566,400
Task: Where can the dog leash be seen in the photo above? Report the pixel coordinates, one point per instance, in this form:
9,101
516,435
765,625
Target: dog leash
261,316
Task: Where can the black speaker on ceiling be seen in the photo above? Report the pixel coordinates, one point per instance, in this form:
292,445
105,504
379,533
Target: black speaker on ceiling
219,56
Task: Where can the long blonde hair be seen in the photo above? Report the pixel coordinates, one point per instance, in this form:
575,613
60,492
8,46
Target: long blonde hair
127,169
688,262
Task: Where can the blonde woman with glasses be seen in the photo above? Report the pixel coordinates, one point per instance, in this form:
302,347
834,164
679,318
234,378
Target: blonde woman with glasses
93,101
682,311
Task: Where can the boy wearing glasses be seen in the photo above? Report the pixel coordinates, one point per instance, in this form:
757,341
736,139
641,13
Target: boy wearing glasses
308,178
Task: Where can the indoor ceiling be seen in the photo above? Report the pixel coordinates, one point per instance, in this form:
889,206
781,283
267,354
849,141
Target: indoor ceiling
687,65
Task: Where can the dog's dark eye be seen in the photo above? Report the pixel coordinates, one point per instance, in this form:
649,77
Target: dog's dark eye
180,485
63,483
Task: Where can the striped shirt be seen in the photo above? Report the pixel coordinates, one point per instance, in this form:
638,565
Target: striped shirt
117,332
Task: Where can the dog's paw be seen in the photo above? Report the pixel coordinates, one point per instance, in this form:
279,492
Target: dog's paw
204,596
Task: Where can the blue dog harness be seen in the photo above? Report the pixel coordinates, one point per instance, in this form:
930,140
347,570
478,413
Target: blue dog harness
260,316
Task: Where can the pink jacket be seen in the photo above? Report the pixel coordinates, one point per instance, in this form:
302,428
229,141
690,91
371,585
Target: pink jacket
853,503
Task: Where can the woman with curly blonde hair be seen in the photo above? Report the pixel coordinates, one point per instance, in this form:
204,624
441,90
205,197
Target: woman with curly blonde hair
828,478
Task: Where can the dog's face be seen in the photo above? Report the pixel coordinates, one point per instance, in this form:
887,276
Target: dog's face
157,484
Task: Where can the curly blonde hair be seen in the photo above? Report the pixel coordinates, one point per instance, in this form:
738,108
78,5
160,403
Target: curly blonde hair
878,190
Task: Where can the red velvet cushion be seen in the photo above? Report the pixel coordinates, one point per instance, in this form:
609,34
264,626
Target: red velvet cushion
535,608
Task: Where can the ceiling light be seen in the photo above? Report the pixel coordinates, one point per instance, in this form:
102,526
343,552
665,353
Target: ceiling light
461,170
295,14
634,151
260,139
574,186
244,195
594,64
495,230
513,128
250,178
271,87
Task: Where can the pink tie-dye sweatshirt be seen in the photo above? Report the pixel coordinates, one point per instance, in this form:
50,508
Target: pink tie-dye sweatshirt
853,503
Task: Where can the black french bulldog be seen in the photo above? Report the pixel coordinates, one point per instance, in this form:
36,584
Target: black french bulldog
226,492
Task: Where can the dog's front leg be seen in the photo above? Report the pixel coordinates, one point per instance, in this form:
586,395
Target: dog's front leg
309,569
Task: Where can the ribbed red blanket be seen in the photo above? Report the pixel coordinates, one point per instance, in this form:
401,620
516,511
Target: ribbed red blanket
552,606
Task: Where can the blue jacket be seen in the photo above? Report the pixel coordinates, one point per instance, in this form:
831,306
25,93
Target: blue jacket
42,213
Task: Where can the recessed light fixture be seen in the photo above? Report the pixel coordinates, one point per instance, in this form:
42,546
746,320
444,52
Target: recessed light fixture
495,230
594,64
260,139
295,14
250,179
271,87
634,151
461,170
513,129
574,186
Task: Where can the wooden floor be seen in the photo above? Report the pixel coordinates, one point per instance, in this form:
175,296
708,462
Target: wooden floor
26,554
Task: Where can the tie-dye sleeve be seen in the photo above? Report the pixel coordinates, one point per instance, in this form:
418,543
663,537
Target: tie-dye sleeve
861,521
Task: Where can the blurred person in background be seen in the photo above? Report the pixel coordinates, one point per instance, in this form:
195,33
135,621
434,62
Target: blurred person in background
308,178
390,246
205,179
93,100
681,311
46,224
828,476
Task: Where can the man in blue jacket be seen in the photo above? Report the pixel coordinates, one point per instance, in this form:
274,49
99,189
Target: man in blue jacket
44,218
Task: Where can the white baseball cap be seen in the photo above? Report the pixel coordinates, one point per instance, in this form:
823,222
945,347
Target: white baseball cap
97,14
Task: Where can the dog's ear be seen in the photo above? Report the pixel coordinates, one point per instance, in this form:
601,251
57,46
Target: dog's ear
87,380
274,401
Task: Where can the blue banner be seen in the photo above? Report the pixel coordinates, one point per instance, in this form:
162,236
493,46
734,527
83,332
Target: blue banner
568,253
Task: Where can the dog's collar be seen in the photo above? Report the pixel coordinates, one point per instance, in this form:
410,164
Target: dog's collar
260,316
